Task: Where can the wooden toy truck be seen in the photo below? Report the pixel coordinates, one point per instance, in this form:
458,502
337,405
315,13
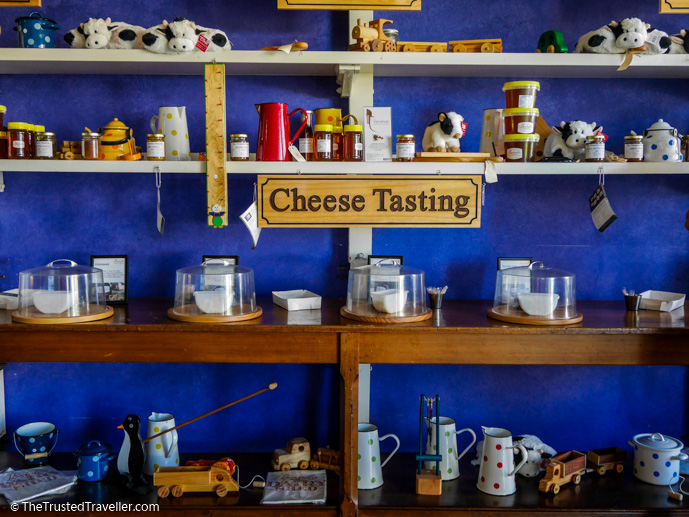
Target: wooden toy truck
177,480
371,37
487,46
297,454
326,459
421,46
562,469
603,460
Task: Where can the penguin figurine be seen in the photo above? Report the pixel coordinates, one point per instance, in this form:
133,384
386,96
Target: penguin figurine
130,461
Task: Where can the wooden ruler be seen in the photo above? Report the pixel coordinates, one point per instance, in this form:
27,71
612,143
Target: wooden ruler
216,146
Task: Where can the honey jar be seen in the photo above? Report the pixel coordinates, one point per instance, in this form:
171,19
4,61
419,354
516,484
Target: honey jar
155,147
239,147
519,147
46,145
406,147
337,143
90,146
306,137
3,145
595,148
324,142
17,140
353,143
634,148
521,94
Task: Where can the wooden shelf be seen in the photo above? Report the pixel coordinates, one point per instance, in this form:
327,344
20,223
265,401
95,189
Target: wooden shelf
375,168
317,63
192,504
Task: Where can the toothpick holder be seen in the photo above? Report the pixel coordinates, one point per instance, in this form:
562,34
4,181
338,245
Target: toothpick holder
436,300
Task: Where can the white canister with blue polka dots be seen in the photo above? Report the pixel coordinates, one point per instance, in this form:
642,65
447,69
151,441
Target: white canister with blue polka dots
657,457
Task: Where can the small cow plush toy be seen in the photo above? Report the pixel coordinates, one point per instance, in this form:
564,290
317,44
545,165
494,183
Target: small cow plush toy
568,140
181,36
616,37
99,33
538,454
444,134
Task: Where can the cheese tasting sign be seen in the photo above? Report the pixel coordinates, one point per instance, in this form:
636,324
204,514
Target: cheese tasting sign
375,201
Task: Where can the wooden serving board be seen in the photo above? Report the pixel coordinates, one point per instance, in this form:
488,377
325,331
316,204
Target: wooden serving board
518,316
34,316
191,313
380,317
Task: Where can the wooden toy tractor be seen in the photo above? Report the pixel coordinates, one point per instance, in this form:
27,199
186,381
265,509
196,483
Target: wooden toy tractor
297,454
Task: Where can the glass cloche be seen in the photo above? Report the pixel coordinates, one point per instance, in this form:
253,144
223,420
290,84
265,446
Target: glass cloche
215,291
383,292
61,292
536,295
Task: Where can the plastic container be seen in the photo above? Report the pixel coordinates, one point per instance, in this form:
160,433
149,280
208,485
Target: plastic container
214,290
520,148
62,290
386,290
353,143
324,142
17,140
521,94
535,294
520,120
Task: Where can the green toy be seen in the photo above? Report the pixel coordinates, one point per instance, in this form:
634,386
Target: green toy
551,42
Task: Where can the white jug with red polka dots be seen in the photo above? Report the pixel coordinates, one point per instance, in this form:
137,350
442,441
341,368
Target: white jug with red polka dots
497,471
172,122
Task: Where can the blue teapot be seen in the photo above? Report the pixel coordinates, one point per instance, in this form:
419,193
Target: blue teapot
95,461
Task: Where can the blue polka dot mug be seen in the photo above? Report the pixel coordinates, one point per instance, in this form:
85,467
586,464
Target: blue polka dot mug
657,457
95,461
35,441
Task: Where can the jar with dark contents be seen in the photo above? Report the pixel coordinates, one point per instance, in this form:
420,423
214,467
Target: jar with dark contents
324,142
353,143
306,136
595,148
46,146
337,143
155,147
90,146
3,145
3,110
17,140
406,147
31,142
634,148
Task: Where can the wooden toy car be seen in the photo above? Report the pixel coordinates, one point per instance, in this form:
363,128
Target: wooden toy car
177,480
477,45
603,460
297,454
421,46
551,42
562,469
326,459
371,37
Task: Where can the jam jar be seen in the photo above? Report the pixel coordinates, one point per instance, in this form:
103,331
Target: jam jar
46,146
239,147
634,148
155,147
324,142
17,140
595,148
3,145
90,146
353,143
406,147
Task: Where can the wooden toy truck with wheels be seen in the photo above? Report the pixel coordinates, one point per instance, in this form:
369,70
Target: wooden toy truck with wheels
297,454
487,46
612,458
177,480
326,459
562,469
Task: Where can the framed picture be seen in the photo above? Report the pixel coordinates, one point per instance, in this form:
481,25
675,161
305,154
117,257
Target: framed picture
232,259
508,262
346,5
25,3
115,276
674,6
386,259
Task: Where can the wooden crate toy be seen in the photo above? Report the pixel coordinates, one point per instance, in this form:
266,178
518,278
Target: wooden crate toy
487,46
429,481
421,46
562,469
326,459
612,458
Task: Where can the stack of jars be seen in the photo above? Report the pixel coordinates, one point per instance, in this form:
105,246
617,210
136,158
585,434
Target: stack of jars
29,141
328,140
520,118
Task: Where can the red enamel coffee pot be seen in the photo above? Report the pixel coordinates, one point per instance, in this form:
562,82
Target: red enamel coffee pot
273,131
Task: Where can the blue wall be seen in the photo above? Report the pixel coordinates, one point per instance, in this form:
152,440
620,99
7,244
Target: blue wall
45,216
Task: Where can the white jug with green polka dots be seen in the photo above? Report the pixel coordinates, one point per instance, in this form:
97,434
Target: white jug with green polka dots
370,467
161,451
172,122
449,466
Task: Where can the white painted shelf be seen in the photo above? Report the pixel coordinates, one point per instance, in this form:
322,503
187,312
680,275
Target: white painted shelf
382,168
316,63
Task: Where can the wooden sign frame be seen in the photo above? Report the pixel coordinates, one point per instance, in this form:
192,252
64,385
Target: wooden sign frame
674,6
216,145
19,3
374,201
352,5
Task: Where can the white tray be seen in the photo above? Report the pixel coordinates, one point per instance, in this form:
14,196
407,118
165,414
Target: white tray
297,300
661,301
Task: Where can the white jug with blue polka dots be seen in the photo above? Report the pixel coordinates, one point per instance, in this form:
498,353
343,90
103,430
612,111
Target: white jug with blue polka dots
161,451
662,143
172,122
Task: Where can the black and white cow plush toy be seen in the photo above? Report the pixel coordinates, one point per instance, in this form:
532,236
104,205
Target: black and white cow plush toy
680,43
443,134
99,33
568,140
538,453
615,38
181,36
